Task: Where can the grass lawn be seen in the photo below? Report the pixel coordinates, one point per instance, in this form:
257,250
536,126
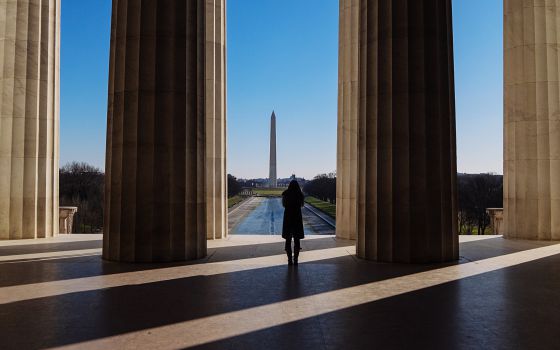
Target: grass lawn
234,200
268,192
325,207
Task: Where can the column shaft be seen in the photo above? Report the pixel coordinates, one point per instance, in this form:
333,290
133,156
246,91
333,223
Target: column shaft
216,173
155,189
531,119
347,130
406,121
29,118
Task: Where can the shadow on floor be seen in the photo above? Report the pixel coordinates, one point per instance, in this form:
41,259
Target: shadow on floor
513,308
444,315
49,247
107,312
35,271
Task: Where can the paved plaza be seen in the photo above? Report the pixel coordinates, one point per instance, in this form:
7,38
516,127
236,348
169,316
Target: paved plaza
242,296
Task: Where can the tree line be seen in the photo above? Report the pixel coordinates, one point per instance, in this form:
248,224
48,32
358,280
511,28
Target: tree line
82,185
476,193
234,186
323,187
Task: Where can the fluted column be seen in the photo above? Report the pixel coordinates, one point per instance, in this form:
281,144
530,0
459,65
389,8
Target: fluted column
155,199
406,148
347,130
532,119
216,178
29,118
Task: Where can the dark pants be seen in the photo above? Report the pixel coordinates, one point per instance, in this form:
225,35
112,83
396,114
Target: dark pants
288,246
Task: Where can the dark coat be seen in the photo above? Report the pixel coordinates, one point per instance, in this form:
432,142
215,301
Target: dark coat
293,222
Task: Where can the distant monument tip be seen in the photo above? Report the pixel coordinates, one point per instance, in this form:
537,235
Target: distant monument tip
272,179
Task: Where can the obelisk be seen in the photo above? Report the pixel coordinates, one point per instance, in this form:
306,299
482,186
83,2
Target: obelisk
272,169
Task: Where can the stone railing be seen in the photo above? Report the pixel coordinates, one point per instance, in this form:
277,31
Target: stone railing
246,192
496,220
66,217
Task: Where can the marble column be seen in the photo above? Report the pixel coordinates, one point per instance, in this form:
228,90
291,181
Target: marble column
531,119
29,118
216,178
156,177
406,152
347,130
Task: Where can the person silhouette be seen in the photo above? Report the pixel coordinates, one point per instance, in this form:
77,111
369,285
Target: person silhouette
292,225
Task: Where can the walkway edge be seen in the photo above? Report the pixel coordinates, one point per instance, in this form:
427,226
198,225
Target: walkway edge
239,205
324,217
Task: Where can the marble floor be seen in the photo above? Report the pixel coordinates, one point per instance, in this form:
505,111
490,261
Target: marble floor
58,293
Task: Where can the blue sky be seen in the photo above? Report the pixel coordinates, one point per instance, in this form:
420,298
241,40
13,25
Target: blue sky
282,55
478,33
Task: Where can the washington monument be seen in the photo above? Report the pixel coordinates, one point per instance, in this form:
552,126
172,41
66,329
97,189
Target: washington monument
272,169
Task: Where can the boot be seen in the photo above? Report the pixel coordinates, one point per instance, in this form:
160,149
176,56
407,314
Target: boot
297,248
289,254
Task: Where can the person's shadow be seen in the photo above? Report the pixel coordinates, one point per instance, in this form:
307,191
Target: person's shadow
292,287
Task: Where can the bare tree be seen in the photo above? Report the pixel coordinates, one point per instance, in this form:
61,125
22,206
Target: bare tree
81,185
322,186
476,193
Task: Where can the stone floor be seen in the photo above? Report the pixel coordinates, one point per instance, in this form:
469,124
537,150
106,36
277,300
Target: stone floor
58,293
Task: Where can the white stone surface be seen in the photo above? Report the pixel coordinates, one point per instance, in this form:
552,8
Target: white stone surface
216,172
347,129
531,120
66,218
29,118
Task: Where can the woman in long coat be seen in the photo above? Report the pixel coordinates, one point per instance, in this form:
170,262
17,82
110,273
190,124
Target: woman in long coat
292,227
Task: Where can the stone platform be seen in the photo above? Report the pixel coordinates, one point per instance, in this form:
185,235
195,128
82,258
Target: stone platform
58,293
